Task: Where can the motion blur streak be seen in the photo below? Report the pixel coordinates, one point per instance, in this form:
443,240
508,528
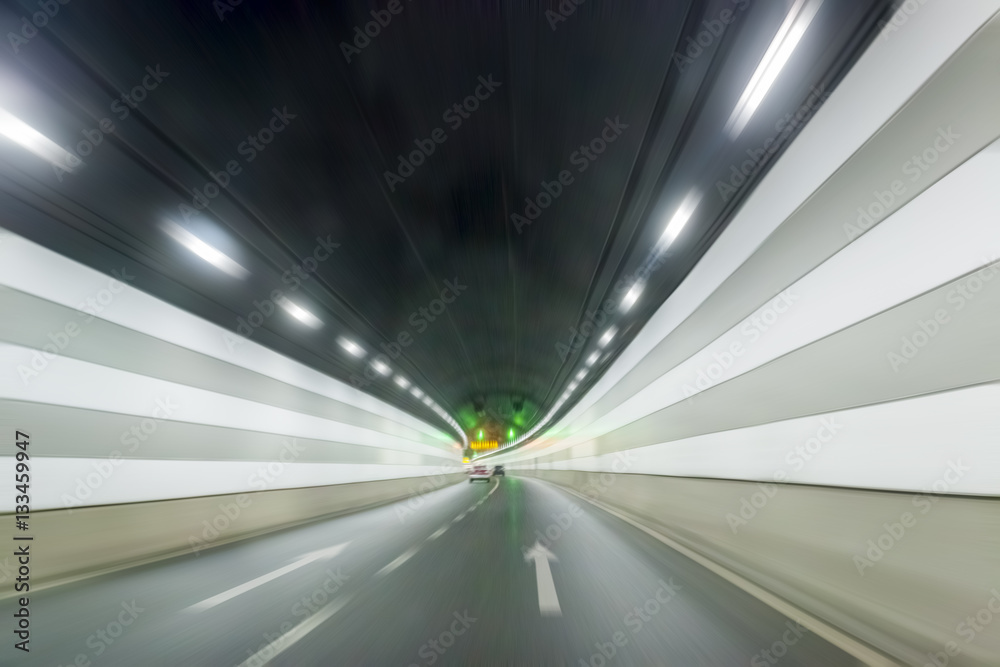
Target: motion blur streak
534,334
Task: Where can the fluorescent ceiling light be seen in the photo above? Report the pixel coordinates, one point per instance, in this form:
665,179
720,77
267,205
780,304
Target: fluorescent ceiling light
203,250
28,137
402,381
680,219
381,367
582,374
631,297
300,313
416,392
606,338
592,359
572,386
787,38
351,346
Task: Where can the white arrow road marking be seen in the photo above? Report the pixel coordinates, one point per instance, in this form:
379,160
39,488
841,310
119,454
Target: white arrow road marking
271,651
328,552
548,601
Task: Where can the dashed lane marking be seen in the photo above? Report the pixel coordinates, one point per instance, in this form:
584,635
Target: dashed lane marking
396,563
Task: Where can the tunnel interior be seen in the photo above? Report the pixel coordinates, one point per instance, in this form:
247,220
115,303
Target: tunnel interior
499,333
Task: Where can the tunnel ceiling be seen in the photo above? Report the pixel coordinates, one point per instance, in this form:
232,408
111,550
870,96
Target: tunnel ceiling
398,161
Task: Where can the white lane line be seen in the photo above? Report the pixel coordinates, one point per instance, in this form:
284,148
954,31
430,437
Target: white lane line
473,508
438,533
396,563
328,552
271,651
838,638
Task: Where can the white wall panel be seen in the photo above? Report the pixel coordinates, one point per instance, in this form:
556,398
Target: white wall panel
896,261
69,482
900,446
35,270
76,383
80,384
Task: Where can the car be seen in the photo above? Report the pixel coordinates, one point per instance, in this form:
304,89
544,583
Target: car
479,472
498,471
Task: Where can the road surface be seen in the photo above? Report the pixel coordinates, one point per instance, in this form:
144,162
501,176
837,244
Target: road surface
513,572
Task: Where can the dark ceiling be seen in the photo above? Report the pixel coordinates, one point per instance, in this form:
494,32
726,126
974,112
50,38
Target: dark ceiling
491,358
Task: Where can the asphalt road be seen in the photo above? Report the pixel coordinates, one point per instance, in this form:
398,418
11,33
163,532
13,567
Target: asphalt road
450,583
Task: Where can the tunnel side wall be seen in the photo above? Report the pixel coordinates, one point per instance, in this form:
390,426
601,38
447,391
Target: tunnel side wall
125,398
